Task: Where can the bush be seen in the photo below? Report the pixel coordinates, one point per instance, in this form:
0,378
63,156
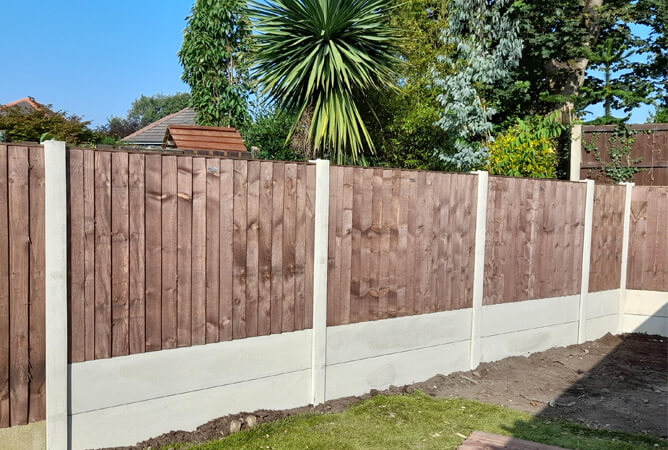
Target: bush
527,149
268,132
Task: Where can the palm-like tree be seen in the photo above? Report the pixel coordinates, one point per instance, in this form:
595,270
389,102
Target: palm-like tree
322,56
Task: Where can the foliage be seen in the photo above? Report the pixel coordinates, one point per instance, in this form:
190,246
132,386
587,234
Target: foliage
148,109
321,56
653,14
402,122
527,149
483,45
418,421
268,132
661,115
621,165
215,61
43,124
117,127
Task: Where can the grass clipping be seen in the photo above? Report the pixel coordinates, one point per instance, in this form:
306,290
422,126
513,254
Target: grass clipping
419,421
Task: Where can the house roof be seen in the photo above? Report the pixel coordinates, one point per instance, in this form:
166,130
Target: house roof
153,134
25,104
203,138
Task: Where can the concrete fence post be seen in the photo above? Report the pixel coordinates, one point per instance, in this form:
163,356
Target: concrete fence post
586,260
626,230
576,152
320,249
479,266
55,209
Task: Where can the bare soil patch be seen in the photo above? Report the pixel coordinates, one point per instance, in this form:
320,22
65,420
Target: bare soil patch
614,383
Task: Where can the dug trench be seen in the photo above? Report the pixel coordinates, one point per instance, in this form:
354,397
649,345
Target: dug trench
613,383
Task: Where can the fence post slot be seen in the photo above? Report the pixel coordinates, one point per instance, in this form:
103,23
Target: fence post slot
586,260
576,152
55,225
479,265
320,249
625,254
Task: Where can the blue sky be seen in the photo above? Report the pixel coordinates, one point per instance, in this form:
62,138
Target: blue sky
93,58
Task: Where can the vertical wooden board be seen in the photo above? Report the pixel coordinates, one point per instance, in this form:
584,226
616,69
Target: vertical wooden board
451,207
264,250
376,231
443,302
102,255
184,208
459,288
346,244
300,247
337,305
661,241
239,256
198,262
169,251
523,237
420,245
4,291
289,239
392,298
310,242
278,181
120,255
89,254
384,255
333,297
212,248
511,285
411,244
577,235
76,240
402,267
252,244
366,263
226,247
136,171
468,239
490,291
19,246
356,246
433,245
153,258
650,269
37,336
537,239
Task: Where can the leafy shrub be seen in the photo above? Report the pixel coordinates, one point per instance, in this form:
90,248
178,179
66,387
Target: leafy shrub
527,149
268,133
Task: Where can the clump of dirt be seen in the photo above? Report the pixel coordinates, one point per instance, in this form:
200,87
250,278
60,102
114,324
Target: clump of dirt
616,383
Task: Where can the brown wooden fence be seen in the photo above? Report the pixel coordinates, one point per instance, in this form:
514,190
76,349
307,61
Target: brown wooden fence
171,251
606,238
22,334
400,243
648,242
535,231
650,147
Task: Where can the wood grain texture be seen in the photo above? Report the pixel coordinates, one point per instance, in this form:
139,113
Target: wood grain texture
153,205
184,203
137,189
310,243
226,248
19,275
252,248
239,239
4,292
120,255
76,241
278,181
606,242
300,247
169,252
198,262
289,241
212,249
103,255
89,253
264,249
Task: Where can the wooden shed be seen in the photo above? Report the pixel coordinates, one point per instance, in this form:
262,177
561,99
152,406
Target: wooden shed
194,137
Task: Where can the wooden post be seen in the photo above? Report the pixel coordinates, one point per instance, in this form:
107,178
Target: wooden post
576,152
55,224
479,266
320,249
586,261
625,254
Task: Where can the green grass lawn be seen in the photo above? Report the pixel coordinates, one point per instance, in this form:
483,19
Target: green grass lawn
418,421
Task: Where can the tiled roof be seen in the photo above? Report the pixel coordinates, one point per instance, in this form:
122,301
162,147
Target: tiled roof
154,133
26,104
203,138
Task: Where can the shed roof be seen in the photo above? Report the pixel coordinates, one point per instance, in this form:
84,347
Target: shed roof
203,138
154,133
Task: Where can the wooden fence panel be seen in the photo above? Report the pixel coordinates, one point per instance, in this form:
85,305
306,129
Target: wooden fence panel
648,243
393,238
181,250
606,239
534,227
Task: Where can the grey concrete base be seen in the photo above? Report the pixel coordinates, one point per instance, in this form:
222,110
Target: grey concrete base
646,312
602,313
24,437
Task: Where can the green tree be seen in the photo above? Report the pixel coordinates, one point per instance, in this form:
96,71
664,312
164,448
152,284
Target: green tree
319,57
147,109
483,46
44,123
661,115
214,56
268,133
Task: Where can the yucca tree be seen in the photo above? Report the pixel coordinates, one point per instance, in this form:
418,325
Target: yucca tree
322,56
